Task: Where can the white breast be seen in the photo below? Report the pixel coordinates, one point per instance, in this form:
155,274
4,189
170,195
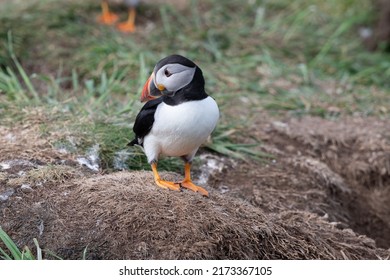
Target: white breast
180,130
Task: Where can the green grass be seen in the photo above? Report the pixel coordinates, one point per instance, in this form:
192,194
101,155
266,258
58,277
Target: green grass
296,58
223,144
14,253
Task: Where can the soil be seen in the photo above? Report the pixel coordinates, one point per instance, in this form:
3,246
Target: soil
325,195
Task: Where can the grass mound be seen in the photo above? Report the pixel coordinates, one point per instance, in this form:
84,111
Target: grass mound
125,216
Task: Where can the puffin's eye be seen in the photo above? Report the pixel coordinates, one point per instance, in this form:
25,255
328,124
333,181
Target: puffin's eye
167,73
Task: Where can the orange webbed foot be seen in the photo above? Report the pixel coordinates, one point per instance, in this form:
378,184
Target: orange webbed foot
162,183
187,182
191,186
168,185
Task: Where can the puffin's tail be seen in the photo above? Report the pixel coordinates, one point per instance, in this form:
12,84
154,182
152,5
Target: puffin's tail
133,142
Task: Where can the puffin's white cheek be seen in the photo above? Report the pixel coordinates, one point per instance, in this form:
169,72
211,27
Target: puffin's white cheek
178,81
180,76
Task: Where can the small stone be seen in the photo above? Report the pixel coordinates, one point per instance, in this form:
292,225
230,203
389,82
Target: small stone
26,188
5,195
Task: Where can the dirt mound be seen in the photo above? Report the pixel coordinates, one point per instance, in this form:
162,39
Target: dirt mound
356,148
125,216
326,195
350,156
28,140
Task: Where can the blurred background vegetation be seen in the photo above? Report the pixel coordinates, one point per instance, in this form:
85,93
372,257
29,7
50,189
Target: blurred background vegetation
278,57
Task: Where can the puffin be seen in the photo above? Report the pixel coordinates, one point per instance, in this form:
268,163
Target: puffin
177,118
108,17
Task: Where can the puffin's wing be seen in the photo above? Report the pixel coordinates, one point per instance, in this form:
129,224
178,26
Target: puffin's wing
144,121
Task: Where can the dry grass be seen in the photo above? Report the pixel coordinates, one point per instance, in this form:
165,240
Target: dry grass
125,216
46,175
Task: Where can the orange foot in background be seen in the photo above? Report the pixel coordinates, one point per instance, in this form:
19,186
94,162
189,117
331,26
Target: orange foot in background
108,18
126,27
129,25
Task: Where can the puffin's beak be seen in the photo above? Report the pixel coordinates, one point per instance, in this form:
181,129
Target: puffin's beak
149,91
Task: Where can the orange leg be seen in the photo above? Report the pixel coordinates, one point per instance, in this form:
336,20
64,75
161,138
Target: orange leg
129,25
187,182
161,183
107,17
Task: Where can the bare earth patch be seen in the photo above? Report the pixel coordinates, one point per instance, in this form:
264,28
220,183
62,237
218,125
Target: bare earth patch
325,196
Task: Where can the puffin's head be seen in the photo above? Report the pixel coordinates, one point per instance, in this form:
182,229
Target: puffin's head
170,75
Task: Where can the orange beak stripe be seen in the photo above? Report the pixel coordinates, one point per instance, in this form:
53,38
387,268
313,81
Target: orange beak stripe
145,96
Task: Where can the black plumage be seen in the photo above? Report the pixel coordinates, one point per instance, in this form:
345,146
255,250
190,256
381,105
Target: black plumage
144,121
193,91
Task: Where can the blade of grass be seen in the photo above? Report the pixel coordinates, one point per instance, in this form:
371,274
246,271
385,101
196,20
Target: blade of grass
48,252
27,254
195,14
345,26
11,246
4,255
75,80
84,257
39,250
165,20
297,23
10,85
20,69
